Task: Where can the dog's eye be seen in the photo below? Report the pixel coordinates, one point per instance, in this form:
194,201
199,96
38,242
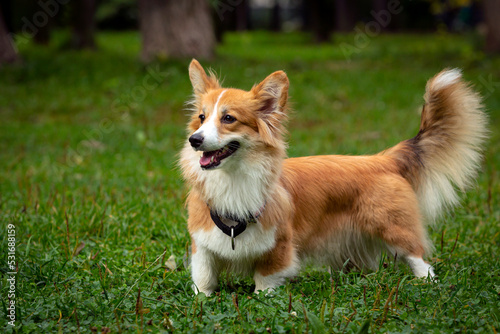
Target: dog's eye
228,119
202,118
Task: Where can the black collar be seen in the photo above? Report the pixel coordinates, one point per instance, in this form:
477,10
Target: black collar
234,231
237,230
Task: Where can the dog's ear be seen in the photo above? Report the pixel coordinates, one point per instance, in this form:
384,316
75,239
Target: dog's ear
199,79
273,93
272,97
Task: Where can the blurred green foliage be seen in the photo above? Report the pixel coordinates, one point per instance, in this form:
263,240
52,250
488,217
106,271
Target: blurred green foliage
88,149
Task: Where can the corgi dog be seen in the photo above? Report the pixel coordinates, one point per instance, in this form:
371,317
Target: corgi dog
252,210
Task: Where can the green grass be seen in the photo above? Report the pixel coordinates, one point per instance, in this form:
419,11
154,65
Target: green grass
88,150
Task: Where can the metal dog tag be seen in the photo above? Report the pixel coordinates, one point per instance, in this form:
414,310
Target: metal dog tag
232,237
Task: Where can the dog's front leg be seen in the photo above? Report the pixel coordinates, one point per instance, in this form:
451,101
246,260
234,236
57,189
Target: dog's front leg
204,271
276,266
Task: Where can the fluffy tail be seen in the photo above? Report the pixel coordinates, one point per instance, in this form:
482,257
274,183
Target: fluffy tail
446,152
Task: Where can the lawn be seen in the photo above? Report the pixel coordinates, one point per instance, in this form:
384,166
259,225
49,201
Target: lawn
90,187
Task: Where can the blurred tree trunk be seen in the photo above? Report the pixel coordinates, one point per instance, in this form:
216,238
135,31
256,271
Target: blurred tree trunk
84,24
43,34
152,23
243,15
177,29
8,52
379,6
6,6
227,17
275,17
344,15
320,14
491,10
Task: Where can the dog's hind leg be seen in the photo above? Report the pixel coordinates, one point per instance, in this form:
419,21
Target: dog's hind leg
409,245
391,213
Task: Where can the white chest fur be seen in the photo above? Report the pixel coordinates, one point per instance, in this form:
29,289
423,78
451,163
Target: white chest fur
238,187
249,245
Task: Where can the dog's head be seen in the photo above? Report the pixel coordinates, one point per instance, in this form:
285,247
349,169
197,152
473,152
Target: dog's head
228,122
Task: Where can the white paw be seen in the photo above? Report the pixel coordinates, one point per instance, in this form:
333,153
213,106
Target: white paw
197,290
421,268
269,292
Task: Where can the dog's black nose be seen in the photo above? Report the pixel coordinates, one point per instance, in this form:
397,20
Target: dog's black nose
196,140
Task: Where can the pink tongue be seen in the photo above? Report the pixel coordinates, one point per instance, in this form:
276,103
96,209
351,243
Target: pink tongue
206,157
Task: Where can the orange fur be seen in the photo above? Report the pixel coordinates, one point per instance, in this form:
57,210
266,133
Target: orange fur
363,194
331,208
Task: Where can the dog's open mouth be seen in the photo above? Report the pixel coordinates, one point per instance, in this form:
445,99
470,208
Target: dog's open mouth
213,159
